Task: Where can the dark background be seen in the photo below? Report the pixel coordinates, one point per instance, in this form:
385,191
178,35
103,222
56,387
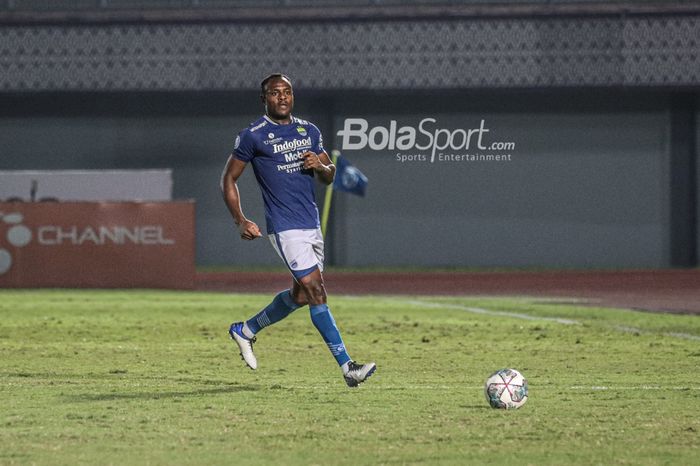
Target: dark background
600,99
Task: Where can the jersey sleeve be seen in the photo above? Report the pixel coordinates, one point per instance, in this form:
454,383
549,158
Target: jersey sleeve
244,147
317,139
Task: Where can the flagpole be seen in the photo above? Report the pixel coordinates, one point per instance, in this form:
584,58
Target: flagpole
329,196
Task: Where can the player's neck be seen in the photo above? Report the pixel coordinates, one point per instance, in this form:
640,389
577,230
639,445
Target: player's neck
284,121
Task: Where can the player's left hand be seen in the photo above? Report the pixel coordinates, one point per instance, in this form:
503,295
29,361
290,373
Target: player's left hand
313,162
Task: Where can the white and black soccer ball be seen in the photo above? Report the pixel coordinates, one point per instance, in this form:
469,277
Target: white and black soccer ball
506,389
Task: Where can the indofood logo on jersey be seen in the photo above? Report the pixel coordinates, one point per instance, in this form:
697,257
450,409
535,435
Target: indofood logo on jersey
292,145
425,142
16,235
293,154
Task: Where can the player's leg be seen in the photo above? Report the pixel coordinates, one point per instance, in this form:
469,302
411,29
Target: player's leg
313,287
302,252
283,304
298,294
243,333
280,307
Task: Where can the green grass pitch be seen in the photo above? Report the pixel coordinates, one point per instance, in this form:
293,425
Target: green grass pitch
141,377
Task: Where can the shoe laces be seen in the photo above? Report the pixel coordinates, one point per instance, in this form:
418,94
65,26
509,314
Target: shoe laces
354,367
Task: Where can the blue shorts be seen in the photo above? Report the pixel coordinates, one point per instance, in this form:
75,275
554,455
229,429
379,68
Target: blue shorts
301,250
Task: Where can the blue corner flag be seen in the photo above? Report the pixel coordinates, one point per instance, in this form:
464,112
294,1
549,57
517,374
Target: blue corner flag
349,178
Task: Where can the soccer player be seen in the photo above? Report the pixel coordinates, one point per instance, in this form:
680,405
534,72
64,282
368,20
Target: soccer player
287,153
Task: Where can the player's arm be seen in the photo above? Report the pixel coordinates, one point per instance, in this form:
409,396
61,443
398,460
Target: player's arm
321,164
229,188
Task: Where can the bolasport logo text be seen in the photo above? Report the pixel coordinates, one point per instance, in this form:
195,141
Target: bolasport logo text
14,235
426,142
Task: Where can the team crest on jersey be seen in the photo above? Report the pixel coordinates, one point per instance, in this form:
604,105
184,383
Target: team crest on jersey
271,135
301,130
237,143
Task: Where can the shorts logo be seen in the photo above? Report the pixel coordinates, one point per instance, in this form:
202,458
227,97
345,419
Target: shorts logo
293,264
271,135
301,130
17,235
237,143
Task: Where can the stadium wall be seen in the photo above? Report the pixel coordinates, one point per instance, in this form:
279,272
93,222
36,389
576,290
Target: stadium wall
588,183
457,53
587,100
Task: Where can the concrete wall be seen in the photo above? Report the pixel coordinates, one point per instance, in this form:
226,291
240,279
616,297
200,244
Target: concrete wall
467,48
587,184
193,134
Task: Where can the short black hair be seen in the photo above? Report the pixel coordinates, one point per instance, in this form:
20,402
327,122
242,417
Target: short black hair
264,82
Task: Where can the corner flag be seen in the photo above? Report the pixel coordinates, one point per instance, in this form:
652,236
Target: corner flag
348,179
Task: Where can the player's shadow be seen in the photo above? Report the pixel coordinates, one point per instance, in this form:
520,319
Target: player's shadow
87,397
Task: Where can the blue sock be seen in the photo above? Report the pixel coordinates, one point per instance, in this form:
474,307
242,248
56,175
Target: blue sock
324,322
278,309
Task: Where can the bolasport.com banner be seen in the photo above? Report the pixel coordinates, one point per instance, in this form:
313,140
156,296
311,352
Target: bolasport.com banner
97,244
426,140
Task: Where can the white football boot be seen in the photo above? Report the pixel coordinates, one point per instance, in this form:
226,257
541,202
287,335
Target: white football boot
244,343
358,373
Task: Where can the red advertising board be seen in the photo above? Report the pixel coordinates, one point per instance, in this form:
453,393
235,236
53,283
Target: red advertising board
97,244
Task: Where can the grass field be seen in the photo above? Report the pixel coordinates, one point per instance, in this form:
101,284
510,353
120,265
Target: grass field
140,377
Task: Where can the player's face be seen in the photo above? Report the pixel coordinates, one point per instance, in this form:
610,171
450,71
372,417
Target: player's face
279,99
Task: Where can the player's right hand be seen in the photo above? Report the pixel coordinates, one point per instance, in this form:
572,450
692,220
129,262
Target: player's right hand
249,230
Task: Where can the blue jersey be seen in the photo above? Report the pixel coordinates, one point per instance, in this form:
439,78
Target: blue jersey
275,151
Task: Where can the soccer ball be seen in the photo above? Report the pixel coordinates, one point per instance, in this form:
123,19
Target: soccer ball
506,389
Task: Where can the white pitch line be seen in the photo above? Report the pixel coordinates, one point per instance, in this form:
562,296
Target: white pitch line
478,310
683,336
559,320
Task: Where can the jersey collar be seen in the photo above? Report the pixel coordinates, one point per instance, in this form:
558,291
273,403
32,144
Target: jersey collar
269,120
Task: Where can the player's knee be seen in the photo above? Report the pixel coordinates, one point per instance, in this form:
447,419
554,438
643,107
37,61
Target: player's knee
299,297
315,291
